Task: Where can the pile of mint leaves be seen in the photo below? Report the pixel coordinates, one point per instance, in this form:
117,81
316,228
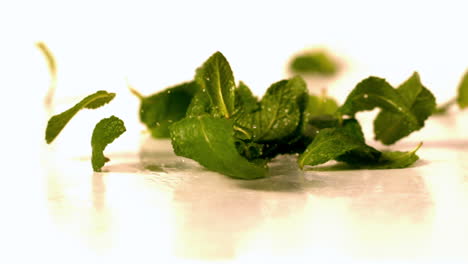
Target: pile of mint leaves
220,123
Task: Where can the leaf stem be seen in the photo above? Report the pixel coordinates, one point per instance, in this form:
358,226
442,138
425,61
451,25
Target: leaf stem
443,108
51,64
135,92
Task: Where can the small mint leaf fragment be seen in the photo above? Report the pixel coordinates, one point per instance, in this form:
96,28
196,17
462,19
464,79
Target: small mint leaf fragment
58,122
462,98
104,133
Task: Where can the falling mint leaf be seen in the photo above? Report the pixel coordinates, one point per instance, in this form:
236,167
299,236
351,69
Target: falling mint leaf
105,132
58,122
210,142
390,127
314,62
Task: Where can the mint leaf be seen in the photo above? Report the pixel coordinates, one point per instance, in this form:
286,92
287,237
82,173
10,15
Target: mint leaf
333,143
317,62
58,122
375,92
210,142
392,160
216,78
462,98
104,133
160,110
389,126
246,102
279,113
410,105
318,105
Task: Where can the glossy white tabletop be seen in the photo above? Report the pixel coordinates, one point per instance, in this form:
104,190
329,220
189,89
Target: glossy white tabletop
150,206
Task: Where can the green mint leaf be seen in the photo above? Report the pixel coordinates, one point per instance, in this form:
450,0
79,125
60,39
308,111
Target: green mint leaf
104,133
160,110
332,143
279,114
200,105
318,105
58,122
389,126
317,62
375,92
245,101
216,78
392,160
210,142
462,98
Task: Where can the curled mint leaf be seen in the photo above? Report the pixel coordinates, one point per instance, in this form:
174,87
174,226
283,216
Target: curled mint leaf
160,110
375,92
58,122
104,133
216,78
462,98
390,127
403,110
209,141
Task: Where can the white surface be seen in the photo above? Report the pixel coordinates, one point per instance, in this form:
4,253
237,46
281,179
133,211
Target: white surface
157,206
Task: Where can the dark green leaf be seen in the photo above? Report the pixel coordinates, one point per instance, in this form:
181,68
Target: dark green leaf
216,78
105,132
210,142
314,63
390,126
392,160
462,98
279,114
160,110
333,143
58,122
